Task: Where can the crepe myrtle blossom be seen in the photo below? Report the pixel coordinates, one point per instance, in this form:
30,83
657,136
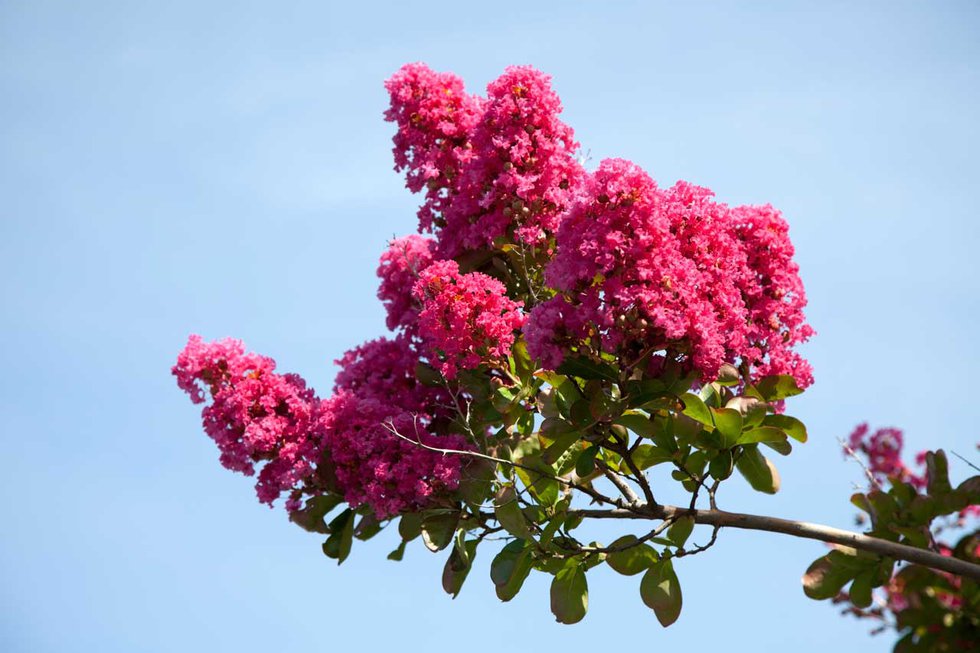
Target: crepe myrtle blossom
256,416
466,319
398,270
640,268
496,169
376,467
435,118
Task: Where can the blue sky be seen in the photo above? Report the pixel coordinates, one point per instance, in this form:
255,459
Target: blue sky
223,168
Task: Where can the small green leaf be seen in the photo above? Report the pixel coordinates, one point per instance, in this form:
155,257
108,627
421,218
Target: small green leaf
762,434
458,567
696,409
721,466
585,464
633,558
661,592
648,455
860,591
570,594
758,470
508,513
728,375
828,574
398,553
680,530
338,545
510,569
752,409
794,428
775,388
729,424
937,473
438,529
639,424
410,526
311,516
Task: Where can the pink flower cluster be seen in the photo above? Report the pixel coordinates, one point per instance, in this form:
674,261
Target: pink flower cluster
398,270
641,268
508,173
883,450
385,370
374,466
255,416
435,117
466,319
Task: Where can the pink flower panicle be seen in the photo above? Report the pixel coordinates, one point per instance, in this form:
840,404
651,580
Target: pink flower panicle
883,451
435,117
641,268
373,466
499,168
255,416
466,319
384,369
523,173
398,270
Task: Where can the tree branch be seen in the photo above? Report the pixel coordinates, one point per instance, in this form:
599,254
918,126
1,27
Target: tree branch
721,518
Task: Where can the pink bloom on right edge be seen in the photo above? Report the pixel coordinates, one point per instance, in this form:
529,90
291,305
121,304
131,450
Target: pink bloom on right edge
466,319
640,268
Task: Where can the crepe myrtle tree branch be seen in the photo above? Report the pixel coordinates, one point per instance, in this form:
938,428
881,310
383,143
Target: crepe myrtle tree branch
829,534
724,519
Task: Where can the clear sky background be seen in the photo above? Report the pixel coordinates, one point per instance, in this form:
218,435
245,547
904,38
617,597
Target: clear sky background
223,168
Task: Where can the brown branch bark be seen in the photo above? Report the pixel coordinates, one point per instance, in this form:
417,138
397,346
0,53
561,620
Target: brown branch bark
723,519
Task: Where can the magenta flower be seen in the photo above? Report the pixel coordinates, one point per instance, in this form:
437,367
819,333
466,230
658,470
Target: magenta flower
466,319
256,416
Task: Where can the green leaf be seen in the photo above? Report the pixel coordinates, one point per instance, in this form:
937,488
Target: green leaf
564,437
539,480
696,409
758,470
410,526
775,388
367,527
762,434
648,455
633,558
338,545
753,410
510,569
586,368
828,574
722,465
937,473
728,421
311,516
570,594
728,375
458,567
585,464
860,591
639,424
398,553
783,447
509,514
438,529
794,428
661,592
680,530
